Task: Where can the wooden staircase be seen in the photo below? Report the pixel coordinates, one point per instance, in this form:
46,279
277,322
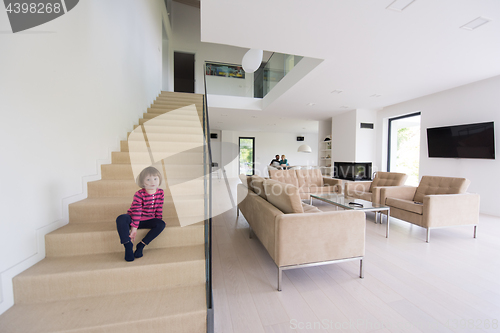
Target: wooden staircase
84,284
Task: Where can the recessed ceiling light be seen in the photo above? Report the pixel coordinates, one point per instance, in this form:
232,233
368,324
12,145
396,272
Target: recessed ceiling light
400,5
336,91
476,23
311,104
375,95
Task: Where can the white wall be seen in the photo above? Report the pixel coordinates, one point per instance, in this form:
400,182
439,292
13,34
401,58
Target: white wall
344,137
69,92
472,103
366,139
267,145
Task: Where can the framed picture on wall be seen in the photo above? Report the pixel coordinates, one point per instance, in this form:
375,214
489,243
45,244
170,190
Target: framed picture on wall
226,70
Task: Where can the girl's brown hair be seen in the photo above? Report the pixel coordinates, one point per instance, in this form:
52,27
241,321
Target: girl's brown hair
149,171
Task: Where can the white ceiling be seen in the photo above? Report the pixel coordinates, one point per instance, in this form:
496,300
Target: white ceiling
367,49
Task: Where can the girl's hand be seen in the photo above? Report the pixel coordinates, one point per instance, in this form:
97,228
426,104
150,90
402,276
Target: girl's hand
133,233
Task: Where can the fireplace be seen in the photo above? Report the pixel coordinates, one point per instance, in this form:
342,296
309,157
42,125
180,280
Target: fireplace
352,170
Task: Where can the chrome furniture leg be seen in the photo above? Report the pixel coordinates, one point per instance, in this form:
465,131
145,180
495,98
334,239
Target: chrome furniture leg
387,226
280,276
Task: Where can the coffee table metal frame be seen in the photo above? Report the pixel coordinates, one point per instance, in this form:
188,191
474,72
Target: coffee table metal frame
367,206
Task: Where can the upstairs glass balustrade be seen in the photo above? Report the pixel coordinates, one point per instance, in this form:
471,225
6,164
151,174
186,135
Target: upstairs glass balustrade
231,79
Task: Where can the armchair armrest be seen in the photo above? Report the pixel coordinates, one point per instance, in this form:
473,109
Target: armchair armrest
400,192
316,237
337,183
444,210
356,187
376,194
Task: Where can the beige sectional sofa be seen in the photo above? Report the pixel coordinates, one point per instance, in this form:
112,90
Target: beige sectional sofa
309,181
437,202
370,191
296,234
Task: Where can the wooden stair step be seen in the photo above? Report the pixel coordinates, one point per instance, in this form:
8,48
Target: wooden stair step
169,122
188,158
193,118
94,238
58,278
127,188
93,210
131,171
181,309
171,129
166,147
167,137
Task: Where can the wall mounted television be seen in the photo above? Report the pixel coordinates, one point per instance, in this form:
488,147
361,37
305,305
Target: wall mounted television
462,141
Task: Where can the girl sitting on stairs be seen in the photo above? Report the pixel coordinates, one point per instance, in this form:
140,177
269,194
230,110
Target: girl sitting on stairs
144,213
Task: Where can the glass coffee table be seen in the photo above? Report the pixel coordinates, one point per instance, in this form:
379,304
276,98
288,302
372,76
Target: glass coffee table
344,202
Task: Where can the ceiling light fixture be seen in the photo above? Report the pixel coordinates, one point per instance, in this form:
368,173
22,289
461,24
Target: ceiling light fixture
251,60
336,91
476,23
375,95
400,5
304,149
311,104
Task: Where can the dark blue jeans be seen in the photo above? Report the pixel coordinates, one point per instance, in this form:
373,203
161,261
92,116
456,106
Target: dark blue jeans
123,227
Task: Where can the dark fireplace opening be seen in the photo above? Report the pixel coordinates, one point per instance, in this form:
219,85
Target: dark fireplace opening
352,170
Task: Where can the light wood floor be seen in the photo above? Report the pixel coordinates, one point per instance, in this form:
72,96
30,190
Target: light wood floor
451,284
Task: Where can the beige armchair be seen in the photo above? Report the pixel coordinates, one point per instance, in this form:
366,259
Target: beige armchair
437,202
370,191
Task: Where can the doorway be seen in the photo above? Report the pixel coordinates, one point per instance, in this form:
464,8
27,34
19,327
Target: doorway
184,72
247,156
403,154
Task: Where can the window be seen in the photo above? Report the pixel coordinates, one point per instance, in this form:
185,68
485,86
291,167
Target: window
247,156
404,146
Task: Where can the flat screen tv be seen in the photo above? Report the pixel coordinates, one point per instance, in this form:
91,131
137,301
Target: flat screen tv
462,141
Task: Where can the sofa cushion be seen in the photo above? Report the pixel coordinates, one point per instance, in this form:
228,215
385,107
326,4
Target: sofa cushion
257,185
284,176
283,196
322,189
361,195
407,205
245,180
309,178
310,208
388,179
440,185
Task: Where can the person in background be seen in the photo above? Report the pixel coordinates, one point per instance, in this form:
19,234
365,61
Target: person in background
283,162
275,161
